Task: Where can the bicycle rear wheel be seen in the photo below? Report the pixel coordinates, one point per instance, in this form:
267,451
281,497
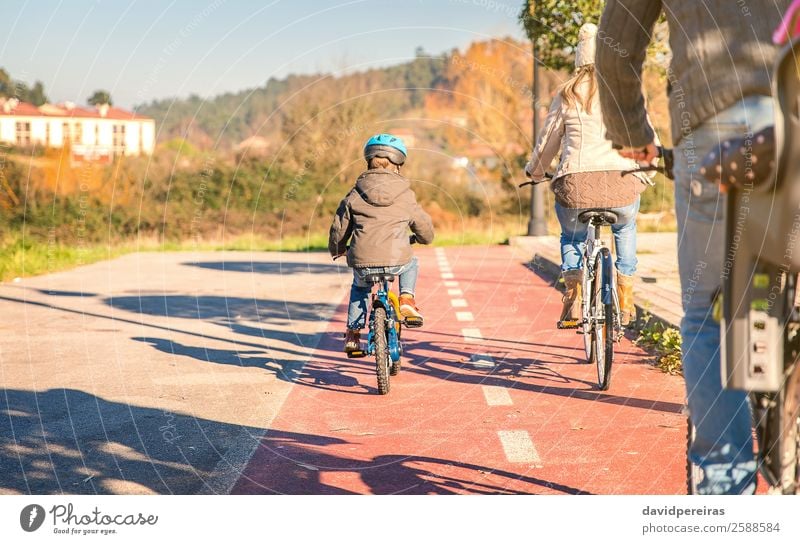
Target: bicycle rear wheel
586,313
603,301
382,358
790,441
694,473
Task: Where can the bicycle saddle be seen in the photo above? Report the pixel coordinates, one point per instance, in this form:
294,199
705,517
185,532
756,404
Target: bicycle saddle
379,277
598,217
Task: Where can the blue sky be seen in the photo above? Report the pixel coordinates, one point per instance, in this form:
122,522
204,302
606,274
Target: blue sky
145,49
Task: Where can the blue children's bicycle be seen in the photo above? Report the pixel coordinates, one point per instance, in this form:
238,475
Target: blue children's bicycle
385,326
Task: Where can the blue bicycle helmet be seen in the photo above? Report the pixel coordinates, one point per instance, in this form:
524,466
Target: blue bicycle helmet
386,146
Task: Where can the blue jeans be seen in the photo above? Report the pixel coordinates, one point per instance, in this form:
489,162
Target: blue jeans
360,291
723,446
573,237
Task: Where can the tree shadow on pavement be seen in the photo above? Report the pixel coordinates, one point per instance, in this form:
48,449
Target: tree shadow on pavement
69,441
209,307
267,267
312,374
291,463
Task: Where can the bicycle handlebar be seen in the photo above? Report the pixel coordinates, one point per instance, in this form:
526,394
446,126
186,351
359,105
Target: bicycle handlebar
547,175
669,163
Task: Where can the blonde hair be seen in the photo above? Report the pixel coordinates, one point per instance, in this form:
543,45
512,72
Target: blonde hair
570,93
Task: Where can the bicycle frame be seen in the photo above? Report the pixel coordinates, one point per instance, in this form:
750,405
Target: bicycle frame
387,300
594,245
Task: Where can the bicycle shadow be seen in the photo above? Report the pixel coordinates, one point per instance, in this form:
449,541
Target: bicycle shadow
297,464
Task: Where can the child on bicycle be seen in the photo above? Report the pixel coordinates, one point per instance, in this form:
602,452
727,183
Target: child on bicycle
374,218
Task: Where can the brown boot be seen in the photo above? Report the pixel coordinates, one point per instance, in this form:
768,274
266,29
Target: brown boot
571,311
625,292
352,341
409,311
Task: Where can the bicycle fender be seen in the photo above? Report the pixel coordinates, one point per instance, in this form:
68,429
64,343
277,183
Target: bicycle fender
608,275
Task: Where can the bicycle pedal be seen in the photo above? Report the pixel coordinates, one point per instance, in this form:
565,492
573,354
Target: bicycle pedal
568,324
412,322
358,354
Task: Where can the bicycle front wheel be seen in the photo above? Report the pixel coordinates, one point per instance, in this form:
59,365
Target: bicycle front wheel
603,315
382,358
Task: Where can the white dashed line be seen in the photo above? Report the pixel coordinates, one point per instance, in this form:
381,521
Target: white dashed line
472,335
464,316
451,284
447,275
497,396
455,292
458,303
519,447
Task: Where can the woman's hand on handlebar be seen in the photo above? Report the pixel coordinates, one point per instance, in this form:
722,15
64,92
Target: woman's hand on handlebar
646,154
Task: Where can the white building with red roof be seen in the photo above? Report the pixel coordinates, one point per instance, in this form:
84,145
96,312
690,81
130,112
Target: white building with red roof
96,133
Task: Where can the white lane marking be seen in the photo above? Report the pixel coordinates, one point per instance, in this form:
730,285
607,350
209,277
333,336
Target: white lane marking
439,250
464,316
481,359
472,335
455,292
447,275
497,396
451,284
458,303
519,447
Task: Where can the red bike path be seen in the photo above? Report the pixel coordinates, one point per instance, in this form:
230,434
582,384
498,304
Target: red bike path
506,406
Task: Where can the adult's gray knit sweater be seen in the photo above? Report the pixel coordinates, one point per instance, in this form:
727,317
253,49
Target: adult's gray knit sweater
721,52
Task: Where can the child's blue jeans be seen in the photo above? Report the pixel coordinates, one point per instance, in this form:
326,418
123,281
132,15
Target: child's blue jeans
360,291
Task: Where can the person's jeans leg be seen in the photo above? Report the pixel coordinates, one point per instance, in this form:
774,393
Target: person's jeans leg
723,445
573,238
624,231
408,277
359,299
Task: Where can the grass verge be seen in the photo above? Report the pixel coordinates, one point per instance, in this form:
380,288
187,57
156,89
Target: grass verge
664,342
32,255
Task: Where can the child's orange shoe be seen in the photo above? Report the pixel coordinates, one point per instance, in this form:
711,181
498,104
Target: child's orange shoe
352,341
409,311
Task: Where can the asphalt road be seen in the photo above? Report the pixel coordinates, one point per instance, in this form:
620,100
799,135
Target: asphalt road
145,374
222,373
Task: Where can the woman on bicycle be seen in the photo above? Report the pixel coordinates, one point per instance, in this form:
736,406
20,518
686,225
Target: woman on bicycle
589,175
